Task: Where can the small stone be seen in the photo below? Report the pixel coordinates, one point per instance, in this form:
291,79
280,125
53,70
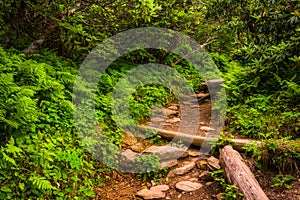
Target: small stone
168,164
157,119
129,139
162,188
194,152
188,186
166,152
173,107
206,128
151,194
138,147
187,166
170,112
155,192
202,164
206,176
128,156
173,120
213,163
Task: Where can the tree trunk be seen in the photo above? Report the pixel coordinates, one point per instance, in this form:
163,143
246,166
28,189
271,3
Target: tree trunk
37,43
239,174
237,144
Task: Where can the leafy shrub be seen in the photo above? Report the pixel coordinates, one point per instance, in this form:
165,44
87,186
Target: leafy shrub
41,156
46,166
283,181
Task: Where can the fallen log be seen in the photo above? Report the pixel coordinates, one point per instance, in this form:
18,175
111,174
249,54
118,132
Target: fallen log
237,144
239,174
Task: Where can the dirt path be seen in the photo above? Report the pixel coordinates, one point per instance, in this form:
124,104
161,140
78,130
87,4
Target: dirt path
125,186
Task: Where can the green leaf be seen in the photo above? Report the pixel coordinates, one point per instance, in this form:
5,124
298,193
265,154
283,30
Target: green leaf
9,159
5,189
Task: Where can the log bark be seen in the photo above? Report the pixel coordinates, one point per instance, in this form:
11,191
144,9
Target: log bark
239,174
237,144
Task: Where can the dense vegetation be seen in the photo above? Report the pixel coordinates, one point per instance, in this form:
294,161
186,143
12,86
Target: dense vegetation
44,42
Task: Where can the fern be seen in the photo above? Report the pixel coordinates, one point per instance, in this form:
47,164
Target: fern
9,159
41,183
11,148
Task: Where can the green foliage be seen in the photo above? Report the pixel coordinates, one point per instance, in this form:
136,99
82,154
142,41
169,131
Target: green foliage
73,28
33,96
260,111
147,163
142,99
230,191
283,181
280,155
262,118
148,168
46,166
41,156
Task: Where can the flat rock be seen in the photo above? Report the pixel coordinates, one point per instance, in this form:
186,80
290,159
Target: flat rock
155,192
187,166
194,152
168,164
128,156
129,139
188,186
173,107
138,147
170,112
166,152
151,194
213,163
162,188
157,119
206,128
173,120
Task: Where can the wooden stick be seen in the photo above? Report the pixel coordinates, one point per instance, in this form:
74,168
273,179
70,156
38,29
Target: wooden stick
239,174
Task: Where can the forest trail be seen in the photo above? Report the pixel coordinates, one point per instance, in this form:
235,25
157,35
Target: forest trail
189,170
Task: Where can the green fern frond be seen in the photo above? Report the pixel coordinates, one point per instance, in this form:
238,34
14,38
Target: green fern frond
9,159
41,183
11,148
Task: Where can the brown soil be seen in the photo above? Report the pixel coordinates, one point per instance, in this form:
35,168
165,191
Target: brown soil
125,186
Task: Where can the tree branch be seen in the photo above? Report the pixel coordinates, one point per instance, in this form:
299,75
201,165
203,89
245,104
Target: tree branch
208,42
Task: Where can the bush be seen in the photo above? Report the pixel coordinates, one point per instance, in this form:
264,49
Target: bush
41,156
